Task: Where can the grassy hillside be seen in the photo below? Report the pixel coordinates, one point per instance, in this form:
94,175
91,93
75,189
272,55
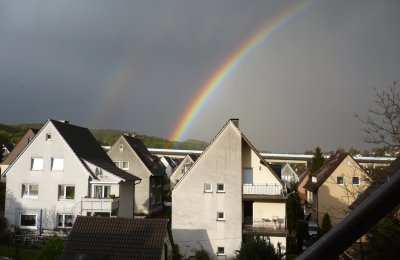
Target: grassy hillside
109,136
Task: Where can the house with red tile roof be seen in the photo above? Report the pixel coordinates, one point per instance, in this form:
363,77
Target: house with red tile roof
118,239
333,187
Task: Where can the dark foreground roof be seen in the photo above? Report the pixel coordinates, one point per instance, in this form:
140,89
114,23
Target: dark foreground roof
116,238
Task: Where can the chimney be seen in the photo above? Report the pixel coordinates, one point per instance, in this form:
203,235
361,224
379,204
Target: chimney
64,121
235,121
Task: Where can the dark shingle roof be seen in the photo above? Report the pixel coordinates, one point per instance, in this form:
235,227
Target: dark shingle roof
118,238
81,141
391,170
86,147
323,173
145,156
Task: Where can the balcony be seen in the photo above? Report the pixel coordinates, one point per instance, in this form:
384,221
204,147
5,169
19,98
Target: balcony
262,189
99,205
262,226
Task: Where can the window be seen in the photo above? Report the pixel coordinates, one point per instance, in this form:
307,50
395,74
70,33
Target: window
153,182
340,180
155,165
356,180
221,251
65,220
102,191
37,164
347,162
159,199
153,199
57,164
220,187
30,191
66,192
117,164
27,221
125,165
207,187
220,215
121,147
159,182
29,139
48,137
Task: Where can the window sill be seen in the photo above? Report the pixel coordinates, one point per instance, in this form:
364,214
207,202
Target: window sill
206,191
221,191
32,198
220,219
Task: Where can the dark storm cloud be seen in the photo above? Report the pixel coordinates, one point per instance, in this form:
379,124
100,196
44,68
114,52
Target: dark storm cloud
294,92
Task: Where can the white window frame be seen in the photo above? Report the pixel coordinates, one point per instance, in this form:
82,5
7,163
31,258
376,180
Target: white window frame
207,189
63,220
103,189
57,164
221,250
48,137
37,164
125,168
337,180
223,187
27,227
65,192
29,196
352,180
347,162
219,217
121,147
117,164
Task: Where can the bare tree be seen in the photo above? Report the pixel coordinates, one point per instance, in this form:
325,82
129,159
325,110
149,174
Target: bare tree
383,123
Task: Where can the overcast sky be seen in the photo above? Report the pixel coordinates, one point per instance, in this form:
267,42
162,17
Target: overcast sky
139,65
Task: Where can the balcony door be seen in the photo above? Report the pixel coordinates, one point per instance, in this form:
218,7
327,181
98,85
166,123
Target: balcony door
248,176
248,212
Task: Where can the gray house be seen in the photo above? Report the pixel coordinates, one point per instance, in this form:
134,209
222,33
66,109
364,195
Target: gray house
61,173
131,155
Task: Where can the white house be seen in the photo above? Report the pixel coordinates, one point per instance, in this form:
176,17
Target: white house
63,172
229,191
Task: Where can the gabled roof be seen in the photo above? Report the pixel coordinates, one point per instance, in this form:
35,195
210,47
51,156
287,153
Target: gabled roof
81,141
244,138
385,175
113,169
323,173
20,146
9,147
145,156
116,238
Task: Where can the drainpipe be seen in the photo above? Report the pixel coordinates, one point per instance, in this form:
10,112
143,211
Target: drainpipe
357,223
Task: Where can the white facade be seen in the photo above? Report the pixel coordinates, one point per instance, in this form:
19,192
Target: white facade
210,206
47,183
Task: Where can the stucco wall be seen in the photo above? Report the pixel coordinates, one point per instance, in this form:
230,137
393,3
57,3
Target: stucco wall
126,203
194,212
74,173
137,168
334,198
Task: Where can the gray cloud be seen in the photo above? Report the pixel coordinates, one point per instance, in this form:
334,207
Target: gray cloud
140,64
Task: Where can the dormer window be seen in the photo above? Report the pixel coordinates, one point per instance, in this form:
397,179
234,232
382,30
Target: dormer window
154,165
314,179
48,137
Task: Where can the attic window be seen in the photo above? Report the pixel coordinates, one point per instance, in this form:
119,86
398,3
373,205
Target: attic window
121,147
48,137
347,162
314,179
154,165
340,180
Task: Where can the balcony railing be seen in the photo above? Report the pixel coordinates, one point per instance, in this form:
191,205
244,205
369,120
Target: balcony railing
99,205
262,189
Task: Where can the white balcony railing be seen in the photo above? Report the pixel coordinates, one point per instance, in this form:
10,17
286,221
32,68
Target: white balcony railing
262,189
99,205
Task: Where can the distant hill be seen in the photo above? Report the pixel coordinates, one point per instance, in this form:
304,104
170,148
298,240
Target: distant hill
109,136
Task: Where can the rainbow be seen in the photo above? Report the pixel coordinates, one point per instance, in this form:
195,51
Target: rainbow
226,69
